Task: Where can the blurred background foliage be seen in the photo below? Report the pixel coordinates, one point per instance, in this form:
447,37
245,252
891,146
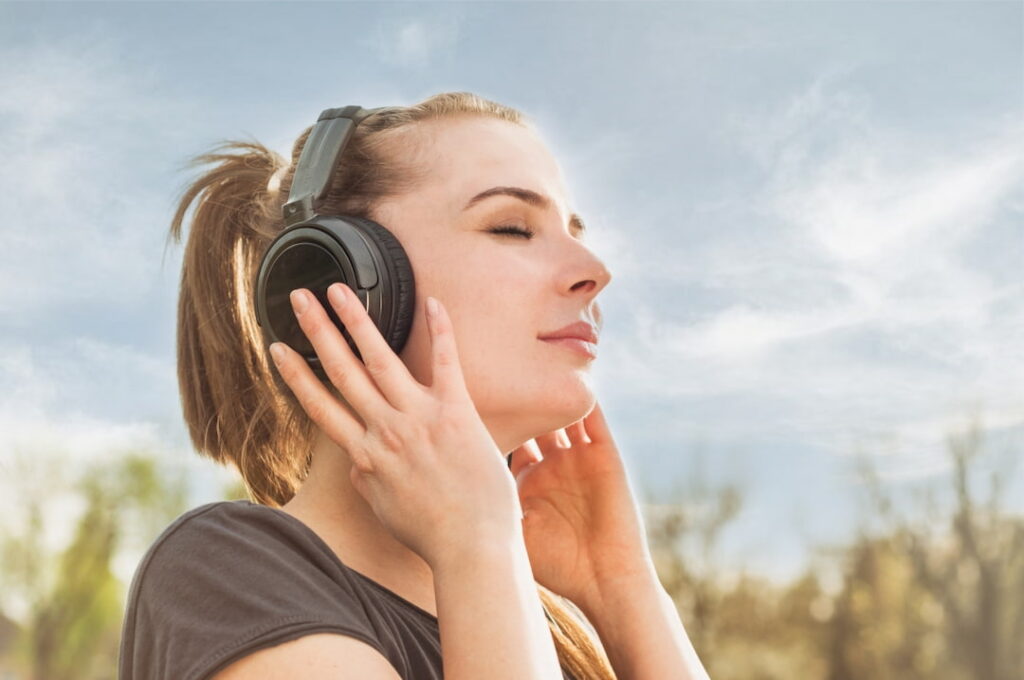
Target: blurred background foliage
930,588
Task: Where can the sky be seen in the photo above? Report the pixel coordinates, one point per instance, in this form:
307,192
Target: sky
812,212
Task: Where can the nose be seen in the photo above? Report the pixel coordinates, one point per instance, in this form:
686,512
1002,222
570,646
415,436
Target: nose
590,274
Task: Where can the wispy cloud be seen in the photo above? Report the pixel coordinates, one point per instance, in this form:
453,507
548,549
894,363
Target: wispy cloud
80,222
80,128
50,399
852,301
415,42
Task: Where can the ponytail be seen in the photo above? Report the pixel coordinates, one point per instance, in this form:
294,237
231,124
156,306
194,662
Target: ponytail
234,413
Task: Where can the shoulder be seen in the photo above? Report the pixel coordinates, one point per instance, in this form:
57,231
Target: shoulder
229,577
228,544
230,529
238,517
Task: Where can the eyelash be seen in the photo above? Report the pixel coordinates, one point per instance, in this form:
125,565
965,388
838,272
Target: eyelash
512,231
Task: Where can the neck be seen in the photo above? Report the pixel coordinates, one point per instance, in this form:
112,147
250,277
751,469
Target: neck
329,504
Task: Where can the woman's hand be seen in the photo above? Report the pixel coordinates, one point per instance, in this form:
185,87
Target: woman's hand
583,530
421,456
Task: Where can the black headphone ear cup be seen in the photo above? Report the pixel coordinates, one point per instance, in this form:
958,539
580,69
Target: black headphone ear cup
404,287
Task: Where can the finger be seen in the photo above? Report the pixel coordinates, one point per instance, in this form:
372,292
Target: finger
388,372
523,457
576,434
549,441
339,363
596,426
447,379
321,406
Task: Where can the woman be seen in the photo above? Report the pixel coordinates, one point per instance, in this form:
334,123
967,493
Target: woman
385,524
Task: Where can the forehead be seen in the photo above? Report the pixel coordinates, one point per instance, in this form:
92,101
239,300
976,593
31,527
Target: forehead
470,154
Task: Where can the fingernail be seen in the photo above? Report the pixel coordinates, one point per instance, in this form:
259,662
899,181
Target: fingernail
432,307
299,301
336,295
277,352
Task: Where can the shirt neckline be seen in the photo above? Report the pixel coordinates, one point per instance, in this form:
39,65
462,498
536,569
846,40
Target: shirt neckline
334,556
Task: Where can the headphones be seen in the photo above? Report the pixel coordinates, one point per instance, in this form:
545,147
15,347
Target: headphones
315,251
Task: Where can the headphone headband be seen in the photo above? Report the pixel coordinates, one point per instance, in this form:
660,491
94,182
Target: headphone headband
319,159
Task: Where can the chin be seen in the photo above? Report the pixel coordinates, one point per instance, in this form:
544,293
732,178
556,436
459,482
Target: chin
516,417
570,406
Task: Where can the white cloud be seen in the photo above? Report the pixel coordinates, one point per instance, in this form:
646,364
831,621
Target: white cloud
81,229
920,447
846,304
66,401
80,223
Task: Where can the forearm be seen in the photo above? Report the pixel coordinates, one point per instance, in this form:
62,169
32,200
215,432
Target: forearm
491,619
642,633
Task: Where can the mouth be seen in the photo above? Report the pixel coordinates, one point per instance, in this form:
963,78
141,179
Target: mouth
575,345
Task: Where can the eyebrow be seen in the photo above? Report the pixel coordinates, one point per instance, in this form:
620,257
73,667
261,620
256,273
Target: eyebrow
527,196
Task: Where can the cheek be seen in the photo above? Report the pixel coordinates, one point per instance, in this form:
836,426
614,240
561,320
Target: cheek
495,343
494,308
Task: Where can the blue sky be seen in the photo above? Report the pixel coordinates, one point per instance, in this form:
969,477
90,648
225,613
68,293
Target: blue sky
812,210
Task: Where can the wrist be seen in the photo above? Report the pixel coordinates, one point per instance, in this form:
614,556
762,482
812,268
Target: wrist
489,548
622,610
613,594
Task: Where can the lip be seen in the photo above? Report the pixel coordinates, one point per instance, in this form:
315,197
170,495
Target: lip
577,345
580,330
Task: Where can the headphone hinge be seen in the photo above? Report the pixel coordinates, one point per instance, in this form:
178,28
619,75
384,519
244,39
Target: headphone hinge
298,210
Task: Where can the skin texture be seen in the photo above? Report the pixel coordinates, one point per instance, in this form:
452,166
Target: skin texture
501,292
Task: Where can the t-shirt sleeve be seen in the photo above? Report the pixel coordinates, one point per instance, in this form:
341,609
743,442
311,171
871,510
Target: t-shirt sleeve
224,582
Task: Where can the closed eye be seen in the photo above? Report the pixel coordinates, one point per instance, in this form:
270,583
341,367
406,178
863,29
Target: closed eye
509,229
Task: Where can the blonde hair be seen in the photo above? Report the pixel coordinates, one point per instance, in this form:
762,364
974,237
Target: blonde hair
240,412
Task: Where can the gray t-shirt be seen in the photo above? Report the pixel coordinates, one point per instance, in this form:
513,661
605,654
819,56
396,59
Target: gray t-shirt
227,578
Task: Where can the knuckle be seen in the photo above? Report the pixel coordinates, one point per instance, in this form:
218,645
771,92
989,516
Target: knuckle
376,367
338,376
316,409
445,358
362,463
389,438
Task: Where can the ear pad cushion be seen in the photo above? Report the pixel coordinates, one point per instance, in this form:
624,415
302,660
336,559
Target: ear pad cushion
401,275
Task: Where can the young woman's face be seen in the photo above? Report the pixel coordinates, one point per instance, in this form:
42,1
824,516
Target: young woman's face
502,291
